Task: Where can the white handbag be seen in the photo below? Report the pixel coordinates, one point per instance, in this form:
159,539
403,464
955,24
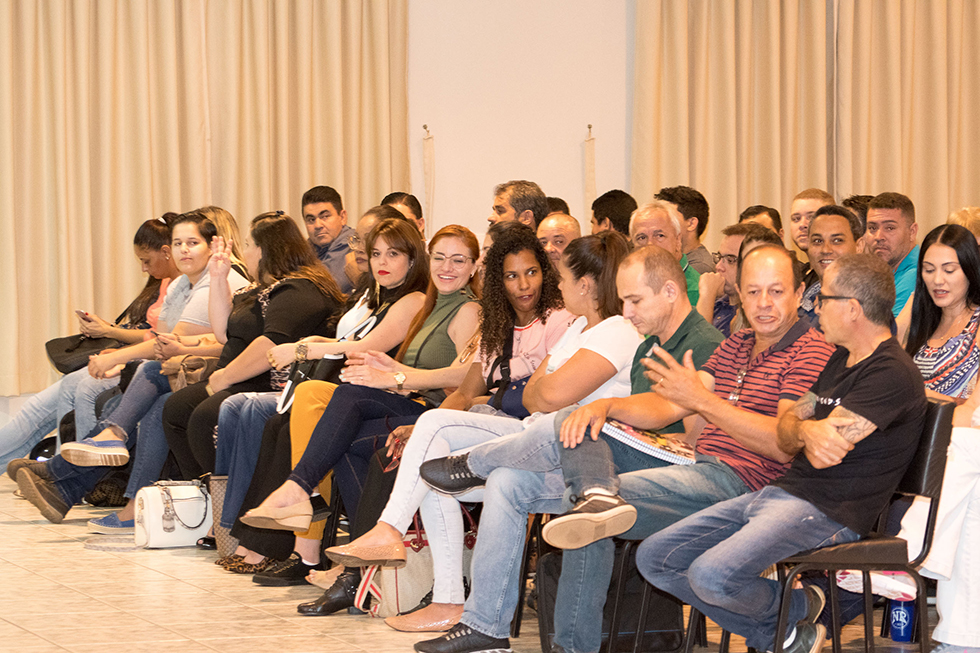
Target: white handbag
172,514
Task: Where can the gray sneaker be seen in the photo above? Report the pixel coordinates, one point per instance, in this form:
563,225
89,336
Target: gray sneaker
593,518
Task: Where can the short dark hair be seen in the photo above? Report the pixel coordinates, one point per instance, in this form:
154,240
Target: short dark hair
525,196
869,280
859,204
617,206
557,205
768,245
834,209
407,199
894,201
760,209
752,230
599,257
320,194
690,203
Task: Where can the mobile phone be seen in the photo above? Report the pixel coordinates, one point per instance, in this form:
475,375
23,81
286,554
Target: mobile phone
83,315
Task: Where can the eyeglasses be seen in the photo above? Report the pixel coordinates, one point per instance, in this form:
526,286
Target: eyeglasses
457,260
737,391
730,259
355,242
821,298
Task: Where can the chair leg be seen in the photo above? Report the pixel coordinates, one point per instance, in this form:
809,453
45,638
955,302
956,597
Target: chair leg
886,624
534,530
641,620
726,640
869,614
624,564
922,608
783,621
834,611
693,629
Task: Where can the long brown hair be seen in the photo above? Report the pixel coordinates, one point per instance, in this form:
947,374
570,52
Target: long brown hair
402,236
599,257
432,293
287,255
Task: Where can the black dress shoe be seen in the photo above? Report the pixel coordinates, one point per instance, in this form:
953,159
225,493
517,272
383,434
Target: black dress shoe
291,571
208,543
463,639
338,597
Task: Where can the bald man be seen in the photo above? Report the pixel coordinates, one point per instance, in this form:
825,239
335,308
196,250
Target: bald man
555,232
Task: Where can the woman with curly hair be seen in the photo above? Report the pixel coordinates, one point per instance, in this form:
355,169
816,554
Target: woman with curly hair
522,320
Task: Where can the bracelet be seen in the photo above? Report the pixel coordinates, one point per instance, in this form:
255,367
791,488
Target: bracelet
301,350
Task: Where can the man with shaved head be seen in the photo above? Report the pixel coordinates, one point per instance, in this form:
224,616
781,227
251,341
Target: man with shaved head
555,232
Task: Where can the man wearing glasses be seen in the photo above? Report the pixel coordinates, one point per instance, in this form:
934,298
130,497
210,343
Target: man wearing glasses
326,225
857,428
718,296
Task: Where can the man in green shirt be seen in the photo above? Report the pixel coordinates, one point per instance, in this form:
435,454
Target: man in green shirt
656,224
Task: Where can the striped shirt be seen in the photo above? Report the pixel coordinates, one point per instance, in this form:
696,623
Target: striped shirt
951,369
786,370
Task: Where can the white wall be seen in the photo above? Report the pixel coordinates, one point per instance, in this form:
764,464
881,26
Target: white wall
507,89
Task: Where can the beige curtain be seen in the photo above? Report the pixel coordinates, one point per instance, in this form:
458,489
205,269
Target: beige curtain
731,98
751,102
908,86
113,112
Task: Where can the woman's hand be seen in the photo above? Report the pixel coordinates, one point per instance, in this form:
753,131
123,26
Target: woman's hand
93,326
397,437
376,359
367,376
167,345
220,264
217,381
101,366
283,355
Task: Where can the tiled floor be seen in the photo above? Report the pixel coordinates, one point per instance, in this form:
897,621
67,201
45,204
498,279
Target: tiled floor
55,595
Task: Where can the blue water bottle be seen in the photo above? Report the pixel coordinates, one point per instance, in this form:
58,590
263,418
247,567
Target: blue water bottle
902,620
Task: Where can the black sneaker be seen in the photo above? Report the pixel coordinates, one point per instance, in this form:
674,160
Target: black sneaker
291,571
39,467
463,639
593,518
451,475
815,601
809,638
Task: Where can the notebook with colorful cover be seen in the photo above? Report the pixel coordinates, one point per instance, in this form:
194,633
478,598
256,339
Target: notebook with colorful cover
651,443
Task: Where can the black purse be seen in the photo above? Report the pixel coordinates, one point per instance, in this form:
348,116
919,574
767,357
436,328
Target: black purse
508,395
71,353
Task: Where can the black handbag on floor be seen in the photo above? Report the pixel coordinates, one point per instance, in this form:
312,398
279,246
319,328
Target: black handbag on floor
664,623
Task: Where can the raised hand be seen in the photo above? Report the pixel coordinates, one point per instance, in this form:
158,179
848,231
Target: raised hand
220,264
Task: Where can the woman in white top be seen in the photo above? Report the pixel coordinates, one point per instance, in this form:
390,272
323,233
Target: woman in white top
591,360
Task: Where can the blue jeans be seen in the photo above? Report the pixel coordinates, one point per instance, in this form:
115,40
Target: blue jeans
509,497
661,496
339,431
42,413
240,423
712,560
141,404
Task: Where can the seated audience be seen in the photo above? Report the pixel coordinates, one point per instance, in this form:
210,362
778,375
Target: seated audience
767,216
862,419
837,233
658,224
969,217
717,293
751,379
557,205
891,236
409,206
801,211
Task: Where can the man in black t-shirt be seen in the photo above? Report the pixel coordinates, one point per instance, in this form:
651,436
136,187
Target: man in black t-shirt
857,430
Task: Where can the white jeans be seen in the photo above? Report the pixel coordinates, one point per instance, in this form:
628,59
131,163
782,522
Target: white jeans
439,433
953,560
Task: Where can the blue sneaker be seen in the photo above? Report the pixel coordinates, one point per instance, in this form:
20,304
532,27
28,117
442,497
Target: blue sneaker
96,453
111,525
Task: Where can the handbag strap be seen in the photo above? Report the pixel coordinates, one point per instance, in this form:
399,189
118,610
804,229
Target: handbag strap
497,401
168,507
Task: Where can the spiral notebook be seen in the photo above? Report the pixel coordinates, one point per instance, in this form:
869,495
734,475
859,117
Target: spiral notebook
651,443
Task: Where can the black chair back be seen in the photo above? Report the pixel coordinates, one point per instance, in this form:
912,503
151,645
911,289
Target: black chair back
925,475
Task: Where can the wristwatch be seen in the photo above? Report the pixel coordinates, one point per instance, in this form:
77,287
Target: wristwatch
301,352
400,380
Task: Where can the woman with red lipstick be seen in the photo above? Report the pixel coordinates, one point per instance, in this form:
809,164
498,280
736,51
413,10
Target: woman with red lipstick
381,391
946,313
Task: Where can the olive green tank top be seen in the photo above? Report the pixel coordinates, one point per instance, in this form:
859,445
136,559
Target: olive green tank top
432,348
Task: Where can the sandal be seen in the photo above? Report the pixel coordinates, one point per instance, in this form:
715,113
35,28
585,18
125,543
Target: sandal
208,543
242,567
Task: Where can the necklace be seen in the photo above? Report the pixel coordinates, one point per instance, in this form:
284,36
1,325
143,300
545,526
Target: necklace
956,326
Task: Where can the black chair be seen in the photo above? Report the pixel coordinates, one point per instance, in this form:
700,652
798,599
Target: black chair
532,544
877,551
